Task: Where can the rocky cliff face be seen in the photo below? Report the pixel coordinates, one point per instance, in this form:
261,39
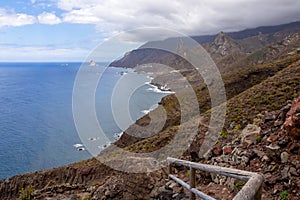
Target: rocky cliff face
265,147
223,45
73,177
292,123
229,54
85,180
261,132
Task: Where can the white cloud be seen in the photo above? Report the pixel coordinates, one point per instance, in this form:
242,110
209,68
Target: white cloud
48,18
83,16
15,19
40,53
190,16
73,4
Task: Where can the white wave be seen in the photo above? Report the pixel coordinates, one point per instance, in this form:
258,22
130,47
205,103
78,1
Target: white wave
78,145
155,89
123,73
149,80
149,77
117,136
149,84
104,146
153,107
145,111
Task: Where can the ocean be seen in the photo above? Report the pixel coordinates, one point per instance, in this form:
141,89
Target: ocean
36,121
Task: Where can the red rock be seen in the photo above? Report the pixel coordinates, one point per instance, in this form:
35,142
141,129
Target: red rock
217,151
227,150
291,125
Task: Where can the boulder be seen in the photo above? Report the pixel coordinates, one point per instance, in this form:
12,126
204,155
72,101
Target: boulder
292,123
284,156
250,133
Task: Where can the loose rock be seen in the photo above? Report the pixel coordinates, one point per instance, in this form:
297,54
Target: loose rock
284,156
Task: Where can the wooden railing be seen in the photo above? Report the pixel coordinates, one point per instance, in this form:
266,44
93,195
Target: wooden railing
252,190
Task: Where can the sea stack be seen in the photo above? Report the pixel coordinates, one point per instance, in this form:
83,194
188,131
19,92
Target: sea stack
93,63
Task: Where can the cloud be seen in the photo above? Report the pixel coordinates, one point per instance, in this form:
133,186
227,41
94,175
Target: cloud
41,53
48,18
190,16
15,19
73,4
82,16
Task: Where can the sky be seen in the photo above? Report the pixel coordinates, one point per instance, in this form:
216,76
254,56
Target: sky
69,30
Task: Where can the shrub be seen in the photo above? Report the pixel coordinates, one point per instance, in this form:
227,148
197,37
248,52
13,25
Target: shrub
283,195
26,194
258,139
239,185
224,134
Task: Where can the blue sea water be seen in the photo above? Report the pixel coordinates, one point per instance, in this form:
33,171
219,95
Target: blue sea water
36,122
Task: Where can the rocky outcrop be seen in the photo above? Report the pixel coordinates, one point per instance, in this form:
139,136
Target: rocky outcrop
267,148
69,175
250,133
264,147
292,123
224,45
81,181
268,145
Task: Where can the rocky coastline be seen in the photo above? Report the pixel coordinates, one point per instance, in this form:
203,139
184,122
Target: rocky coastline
261,132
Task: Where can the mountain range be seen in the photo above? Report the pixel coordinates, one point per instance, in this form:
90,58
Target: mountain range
260,69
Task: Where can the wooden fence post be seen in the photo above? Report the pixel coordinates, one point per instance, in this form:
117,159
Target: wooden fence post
192,182
252,190
170,169
258,194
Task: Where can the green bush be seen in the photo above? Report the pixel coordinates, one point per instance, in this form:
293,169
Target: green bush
283,195
26,194
258,139
224,134
239,185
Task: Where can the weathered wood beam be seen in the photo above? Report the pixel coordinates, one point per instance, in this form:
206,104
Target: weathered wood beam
194,190
252,190
233,173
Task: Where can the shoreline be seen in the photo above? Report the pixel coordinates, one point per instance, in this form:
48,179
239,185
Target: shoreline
79,147
156,88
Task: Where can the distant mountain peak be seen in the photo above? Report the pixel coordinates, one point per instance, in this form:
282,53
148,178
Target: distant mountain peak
222,38
224,44
181,50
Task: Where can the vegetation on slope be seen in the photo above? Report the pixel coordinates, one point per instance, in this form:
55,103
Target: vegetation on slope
270,86
250,91
270,95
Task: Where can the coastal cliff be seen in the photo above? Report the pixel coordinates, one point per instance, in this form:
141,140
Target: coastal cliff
261,131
